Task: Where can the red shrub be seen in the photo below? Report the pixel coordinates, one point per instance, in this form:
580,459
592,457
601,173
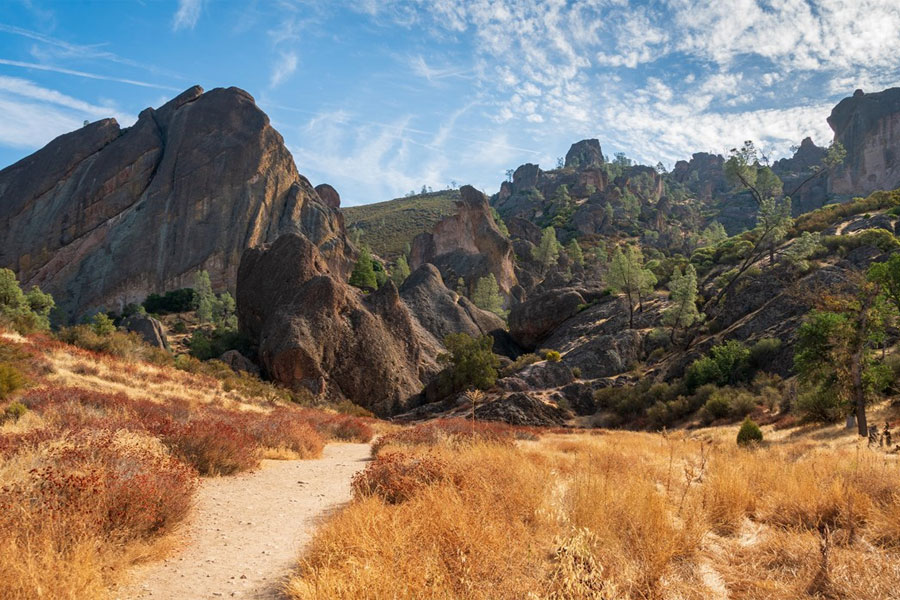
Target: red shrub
396,476
123,486
285,428
213,446
432,432
346,428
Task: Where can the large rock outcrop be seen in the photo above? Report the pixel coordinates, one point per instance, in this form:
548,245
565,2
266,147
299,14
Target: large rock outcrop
103,216
868,125
585,154
468,245
441,311
314,331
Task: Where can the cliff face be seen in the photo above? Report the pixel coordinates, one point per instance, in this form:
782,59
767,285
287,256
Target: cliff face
868,125
103,216
468,245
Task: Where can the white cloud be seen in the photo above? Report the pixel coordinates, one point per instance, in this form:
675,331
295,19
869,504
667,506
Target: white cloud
34,115
86,75
187,15
284,68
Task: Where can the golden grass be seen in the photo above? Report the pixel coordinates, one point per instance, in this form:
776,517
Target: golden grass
615,516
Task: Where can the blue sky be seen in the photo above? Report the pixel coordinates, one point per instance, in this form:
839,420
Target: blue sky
381,97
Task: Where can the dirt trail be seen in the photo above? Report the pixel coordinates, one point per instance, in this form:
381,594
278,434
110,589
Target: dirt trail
246,531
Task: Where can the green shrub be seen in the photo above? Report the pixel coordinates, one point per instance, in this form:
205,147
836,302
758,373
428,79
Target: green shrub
750,433
179,327
576,372
469,361
125,345
553,356
701,372
11,379
176,301
103,325
718,406
741,403
206,345
819,405
763,352
726,364
520,363
880,238
14,412
23,312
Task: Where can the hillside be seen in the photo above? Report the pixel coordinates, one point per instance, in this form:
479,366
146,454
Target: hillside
387,227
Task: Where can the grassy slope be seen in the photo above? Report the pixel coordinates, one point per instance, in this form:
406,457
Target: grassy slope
386,227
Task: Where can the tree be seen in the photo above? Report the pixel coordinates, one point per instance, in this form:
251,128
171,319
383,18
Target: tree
886,275
683,310
102,324
833,354
487,295
713,234
547,252
23,312
400,271
469,361
799,252
461,289
628,276
204,298
363,274
574,252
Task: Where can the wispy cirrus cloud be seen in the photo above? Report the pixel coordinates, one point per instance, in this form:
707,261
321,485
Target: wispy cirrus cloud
34,114
284,67
86,75
187,14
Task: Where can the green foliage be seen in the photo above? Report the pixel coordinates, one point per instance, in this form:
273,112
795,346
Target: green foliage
499,221
823,218
381,276
487,295
207,345
879,238
102,325
117,343
574,252
749,433
763,352
175,301
628,276
363,275
470,361
13,412
547,252
576,372
886,275
400,271
726,364
713,234
11,380
23,312
553,356
717,407
804,247
520,363
682,313
819,406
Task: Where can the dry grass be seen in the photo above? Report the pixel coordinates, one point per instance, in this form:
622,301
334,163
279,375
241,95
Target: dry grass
102,464
616,516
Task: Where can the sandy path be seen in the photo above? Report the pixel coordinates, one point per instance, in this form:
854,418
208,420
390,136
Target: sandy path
246,532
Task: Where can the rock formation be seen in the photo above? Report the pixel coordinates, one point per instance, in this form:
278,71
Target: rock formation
103,216
442,311
316,332
868,125
585,154
150,330
468,245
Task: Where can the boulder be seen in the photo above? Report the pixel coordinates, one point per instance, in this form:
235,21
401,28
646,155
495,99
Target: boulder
104,216
238,362
585,154
546,374
521,408
441,311
875,222
533,320
150,330
468,245
315,331
329,195
868,126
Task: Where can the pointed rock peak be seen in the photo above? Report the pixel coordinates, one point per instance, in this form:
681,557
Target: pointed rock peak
469,196
188,95
585,154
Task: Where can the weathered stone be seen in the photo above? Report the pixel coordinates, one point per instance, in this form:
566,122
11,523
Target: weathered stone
238,362
520,408
868,126
150,330
585,154
533,320
317,332
468,245
329,195
103,216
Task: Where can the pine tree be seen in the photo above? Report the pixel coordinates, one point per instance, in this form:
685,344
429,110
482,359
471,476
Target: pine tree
204,298
487,295
547,252
628,276
573,250
683,310
400,271
363,275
